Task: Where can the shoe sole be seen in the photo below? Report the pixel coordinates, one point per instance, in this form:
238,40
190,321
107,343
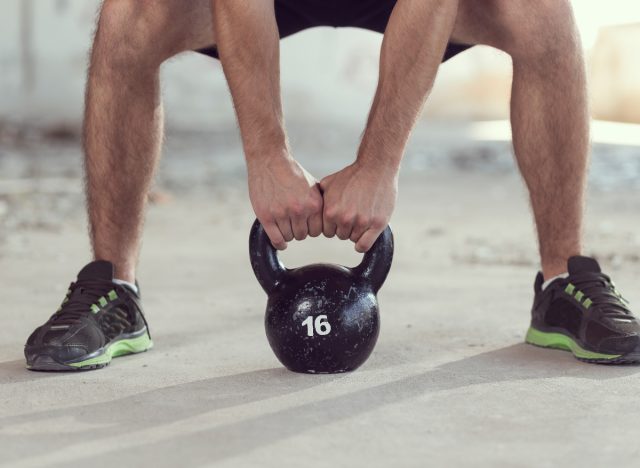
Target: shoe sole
566,343
96,360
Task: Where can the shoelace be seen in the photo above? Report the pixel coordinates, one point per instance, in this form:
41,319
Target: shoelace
115,323
602,292
80,297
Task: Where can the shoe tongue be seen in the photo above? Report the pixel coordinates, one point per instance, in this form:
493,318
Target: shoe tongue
100,269
580,264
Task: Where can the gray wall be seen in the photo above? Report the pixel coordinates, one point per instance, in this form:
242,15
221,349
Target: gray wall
326,74
43,56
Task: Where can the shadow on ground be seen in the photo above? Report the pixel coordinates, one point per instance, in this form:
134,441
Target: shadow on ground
156,408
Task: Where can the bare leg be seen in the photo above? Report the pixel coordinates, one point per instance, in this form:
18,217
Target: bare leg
123,115
549,111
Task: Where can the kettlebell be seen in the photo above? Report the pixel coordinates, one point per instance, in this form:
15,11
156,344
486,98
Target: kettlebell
321,318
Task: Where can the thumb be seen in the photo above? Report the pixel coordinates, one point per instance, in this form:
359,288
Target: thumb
325,182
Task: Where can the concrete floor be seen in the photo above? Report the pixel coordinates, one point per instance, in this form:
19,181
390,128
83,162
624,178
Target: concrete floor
450,382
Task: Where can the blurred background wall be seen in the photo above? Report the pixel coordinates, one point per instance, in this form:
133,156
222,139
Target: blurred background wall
326,74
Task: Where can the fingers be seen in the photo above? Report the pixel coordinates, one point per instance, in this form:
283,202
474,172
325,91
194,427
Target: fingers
359,229
329,226
274,234
345,227
299,220
324,183
284,225
315,224
314,220
300,227
366,241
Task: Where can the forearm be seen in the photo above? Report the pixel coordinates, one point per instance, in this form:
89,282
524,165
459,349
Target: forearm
414,43
248,45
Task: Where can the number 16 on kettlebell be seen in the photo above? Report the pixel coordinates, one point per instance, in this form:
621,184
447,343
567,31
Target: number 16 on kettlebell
321,318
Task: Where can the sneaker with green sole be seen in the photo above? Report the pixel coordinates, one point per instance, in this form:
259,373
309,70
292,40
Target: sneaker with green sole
97,321
585,314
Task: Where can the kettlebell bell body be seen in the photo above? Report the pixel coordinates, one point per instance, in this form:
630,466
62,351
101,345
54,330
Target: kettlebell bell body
321,318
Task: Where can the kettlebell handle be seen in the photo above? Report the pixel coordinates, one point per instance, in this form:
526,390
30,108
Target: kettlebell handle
376,262
266,265
270,271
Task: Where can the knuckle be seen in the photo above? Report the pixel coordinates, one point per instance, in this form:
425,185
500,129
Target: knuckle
361,221
315,205
331,214
346,219
278,213
296,209
378,222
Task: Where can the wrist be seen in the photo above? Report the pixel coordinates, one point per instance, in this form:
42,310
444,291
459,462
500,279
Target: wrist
266,149
267,155
381,156
376,168
382,146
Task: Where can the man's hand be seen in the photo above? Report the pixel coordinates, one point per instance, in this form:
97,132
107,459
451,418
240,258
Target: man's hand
358,203
359,200
285,198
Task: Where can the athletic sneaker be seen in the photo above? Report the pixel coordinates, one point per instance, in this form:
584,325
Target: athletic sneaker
98,320
585,314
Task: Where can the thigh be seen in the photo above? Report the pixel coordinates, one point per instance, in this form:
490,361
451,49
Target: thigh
150,29
514,26
190,24
475,23
500,23
164,27
292,16
374,16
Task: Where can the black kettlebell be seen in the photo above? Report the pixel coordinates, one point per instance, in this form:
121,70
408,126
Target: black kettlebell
321,318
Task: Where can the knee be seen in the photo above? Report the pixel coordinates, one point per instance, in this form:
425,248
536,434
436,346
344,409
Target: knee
534,29
129,34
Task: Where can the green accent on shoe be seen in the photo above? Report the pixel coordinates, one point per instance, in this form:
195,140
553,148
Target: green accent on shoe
95,309
118,348
587,303
102,301
560,341
619,294
112,295
569,289
579,295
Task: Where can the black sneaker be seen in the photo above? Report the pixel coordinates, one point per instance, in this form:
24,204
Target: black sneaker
98,320
585,314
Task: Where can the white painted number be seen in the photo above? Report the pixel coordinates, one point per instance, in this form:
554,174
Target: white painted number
321,325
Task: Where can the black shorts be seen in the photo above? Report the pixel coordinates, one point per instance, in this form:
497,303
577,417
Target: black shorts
294,16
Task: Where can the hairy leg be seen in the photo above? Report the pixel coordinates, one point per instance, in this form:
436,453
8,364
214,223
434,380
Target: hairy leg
123,115
549,111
